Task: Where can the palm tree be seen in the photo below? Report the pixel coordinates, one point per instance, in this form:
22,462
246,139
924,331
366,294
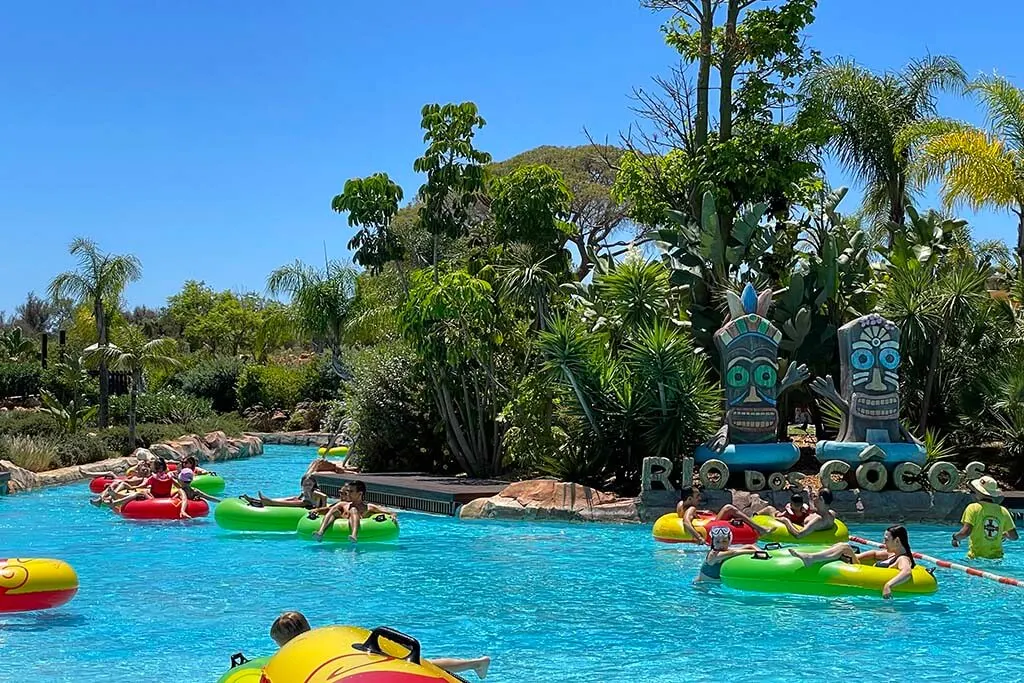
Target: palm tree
98,282
870,112
322,301
983,168
135,355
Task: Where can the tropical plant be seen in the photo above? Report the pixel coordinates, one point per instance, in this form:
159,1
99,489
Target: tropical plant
871,112
15,346
35,454
213,379
372,203
67,404
98,282
983,168
134,355
321,300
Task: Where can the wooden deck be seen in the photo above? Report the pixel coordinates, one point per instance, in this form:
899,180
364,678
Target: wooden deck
414,490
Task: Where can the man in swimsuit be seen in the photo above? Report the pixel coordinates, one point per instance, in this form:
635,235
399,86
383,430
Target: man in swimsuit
820,519
687,510
352,506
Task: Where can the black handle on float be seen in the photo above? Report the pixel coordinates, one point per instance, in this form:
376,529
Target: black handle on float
774,545
761,555
238,659
372,644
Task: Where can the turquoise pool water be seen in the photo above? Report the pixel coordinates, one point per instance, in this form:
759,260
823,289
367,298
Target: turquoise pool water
551,602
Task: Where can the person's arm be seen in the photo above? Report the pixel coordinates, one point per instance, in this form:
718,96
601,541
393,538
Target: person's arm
688,525
813,523
964,532
183,513
903,576
206,496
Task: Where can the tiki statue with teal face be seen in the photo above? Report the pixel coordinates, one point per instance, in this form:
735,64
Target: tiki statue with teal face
748,346
869,357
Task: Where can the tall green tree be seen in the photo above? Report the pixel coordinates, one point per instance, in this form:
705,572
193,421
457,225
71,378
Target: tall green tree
455,171
983,168
99,281
322,302
871,112
372,204
134,354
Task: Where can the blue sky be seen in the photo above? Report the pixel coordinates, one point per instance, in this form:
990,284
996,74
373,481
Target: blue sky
208,137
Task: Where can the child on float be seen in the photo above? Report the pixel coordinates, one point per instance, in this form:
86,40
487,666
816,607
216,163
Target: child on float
720,539
185,478
821,517
896,554
292,624
796,510
133,479
351,506
687,510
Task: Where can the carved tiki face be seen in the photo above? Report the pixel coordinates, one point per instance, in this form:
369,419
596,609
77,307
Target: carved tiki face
870,359
749,349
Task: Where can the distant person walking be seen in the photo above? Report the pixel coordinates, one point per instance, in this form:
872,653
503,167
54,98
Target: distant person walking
986,522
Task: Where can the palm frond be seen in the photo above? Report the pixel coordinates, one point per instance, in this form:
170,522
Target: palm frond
1005,105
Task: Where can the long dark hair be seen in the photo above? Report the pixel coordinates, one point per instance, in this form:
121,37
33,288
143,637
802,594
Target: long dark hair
899,532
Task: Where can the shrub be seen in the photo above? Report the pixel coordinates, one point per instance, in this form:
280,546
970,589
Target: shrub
392,415
320,381
20,379
29,423
80,449
32,453
272,386
335,417
214,379
161,407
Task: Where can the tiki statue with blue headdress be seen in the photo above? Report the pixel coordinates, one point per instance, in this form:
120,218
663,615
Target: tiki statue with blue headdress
748,347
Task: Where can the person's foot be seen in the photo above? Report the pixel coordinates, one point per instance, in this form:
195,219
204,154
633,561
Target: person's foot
251,501
482,667
317,536
800,556
96,501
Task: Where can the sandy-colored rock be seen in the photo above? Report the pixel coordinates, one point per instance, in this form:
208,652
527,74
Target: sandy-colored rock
21,479
556,495
547,499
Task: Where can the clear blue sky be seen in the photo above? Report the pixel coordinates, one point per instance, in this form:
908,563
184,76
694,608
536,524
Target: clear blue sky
208,136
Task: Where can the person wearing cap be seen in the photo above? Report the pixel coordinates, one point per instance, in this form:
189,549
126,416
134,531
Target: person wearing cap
985,522
187,492
720,537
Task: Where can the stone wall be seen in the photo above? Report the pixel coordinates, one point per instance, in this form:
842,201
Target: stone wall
852,505
213,447
293,438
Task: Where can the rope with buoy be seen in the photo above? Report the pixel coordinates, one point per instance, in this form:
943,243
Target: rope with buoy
946,564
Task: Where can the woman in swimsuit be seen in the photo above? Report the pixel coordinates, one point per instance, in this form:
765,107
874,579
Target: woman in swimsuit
720,537
310,498
895,555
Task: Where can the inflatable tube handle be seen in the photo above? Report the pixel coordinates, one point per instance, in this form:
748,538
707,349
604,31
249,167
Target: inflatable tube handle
238,659
761,555
774,545
372,644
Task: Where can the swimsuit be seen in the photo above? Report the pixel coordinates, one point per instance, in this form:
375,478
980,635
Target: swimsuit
712,571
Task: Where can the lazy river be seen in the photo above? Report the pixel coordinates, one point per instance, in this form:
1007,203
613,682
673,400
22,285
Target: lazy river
549,602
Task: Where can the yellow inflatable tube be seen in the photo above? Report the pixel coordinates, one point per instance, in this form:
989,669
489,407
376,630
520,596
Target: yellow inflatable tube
28,584
337,450
347,653
777,533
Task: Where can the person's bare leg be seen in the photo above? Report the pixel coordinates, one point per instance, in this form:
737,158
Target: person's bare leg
354,523
826,555
453,666
328,520
769,511
732,512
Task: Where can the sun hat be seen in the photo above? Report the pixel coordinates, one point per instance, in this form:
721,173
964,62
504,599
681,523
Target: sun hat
987,486
186,476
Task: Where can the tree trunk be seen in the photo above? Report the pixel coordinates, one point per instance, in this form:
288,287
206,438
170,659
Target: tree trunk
1020,240
132,407
727,70
101,333
929,384
707,27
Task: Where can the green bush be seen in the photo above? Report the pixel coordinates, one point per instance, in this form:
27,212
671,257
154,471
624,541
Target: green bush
161,407
36,454
214,379
29,423
392,415
271,386
80,449
20,379
115,439
320,381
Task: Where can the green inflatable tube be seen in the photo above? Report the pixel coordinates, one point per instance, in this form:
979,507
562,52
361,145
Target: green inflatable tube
779,572
777,533
374,529
234,514
250,672
211,484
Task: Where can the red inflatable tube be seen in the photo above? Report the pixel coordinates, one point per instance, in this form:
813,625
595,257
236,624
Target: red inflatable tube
742,533
99,484
162,508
